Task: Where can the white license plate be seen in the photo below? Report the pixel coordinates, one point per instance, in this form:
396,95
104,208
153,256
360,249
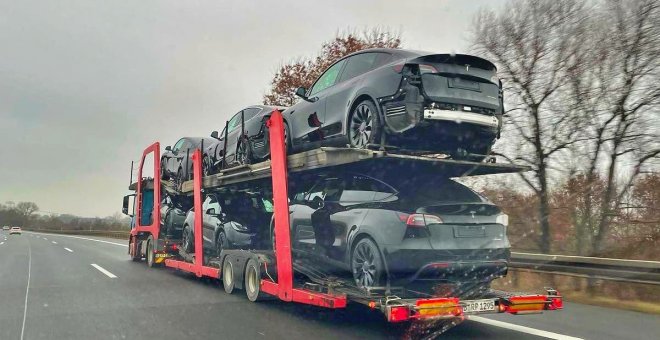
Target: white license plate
477,306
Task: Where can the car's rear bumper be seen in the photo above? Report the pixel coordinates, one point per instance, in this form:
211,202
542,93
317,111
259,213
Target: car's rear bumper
461,117
408,265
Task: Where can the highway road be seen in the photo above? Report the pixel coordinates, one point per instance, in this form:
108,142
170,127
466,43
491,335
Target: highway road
70,287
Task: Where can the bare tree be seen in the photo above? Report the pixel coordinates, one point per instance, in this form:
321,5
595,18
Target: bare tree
618,89
303,71
536,46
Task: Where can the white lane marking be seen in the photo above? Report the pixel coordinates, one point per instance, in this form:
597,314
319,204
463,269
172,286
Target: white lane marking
69,250
45,239
27,289
1,243
104,271
91,239
54,242
523,329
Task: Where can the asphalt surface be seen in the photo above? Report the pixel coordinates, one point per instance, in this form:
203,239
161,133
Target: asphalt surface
64,287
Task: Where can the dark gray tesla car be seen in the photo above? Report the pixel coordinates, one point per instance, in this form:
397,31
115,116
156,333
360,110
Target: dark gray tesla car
412,230
176,161
243,140
230,221
421,101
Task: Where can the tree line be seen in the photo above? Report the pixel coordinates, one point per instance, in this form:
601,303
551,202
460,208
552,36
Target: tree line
25,215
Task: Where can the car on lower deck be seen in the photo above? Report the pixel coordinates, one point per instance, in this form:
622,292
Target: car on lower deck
173,211
400,230
230,221
419,101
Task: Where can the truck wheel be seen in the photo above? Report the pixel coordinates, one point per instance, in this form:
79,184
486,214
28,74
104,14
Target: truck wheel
252,281
151,260
228,276
135,251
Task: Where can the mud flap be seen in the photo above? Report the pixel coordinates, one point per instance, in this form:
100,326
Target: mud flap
401,116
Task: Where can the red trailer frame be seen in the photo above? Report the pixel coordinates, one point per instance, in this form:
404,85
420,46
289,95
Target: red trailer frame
395,309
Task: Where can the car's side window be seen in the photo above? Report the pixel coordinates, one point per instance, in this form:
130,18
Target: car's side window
359,64
251,112
234,122
328,78
365,189
328,189
178,145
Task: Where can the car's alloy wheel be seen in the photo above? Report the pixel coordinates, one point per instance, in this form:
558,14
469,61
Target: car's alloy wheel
363,127
242,152
187,238
206,166
366,264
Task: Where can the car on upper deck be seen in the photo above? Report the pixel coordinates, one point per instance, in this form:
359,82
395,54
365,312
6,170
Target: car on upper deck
419,101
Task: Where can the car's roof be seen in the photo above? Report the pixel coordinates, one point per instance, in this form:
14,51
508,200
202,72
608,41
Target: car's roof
416,53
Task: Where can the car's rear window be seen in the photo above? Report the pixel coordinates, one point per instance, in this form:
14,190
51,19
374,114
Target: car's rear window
432,190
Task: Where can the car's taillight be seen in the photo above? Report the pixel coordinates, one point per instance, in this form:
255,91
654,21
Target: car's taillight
424,68
398,68
417,223
422,220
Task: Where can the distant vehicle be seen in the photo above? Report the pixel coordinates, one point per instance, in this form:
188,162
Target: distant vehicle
5,227
15,230
421,101
421,229
176,161
246,137
173,212
230,222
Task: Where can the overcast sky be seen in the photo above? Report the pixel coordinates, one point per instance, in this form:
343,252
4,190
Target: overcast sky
86,85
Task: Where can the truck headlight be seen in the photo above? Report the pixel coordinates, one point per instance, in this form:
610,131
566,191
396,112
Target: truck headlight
502,219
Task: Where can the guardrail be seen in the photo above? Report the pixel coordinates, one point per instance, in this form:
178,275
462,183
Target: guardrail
119,234
634,271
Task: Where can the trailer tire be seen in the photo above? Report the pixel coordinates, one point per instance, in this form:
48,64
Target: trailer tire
252,282
228,281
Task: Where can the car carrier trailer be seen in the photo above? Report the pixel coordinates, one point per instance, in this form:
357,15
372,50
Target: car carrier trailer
262,273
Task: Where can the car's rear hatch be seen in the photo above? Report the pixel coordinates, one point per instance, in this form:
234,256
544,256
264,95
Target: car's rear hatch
466,226
458,81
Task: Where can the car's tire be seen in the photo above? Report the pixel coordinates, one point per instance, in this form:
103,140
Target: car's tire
363,126
367,264
163,170
228,281
252,282
207,167
179,179
220,243
187,239
243,154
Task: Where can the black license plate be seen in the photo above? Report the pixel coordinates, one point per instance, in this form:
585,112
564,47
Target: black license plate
469,231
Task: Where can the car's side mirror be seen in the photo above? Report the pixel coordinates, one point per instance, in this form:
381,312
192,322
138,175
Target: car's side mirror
214,134
168,148
301,92
316,203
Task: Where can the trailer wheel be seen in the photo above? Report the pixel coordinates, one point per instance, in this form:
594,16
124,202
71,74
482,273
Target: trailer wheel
228,276
252,281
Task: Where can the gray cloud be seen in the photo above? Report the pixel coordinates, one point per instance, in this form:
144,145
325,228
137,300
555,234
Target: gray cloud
86,85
